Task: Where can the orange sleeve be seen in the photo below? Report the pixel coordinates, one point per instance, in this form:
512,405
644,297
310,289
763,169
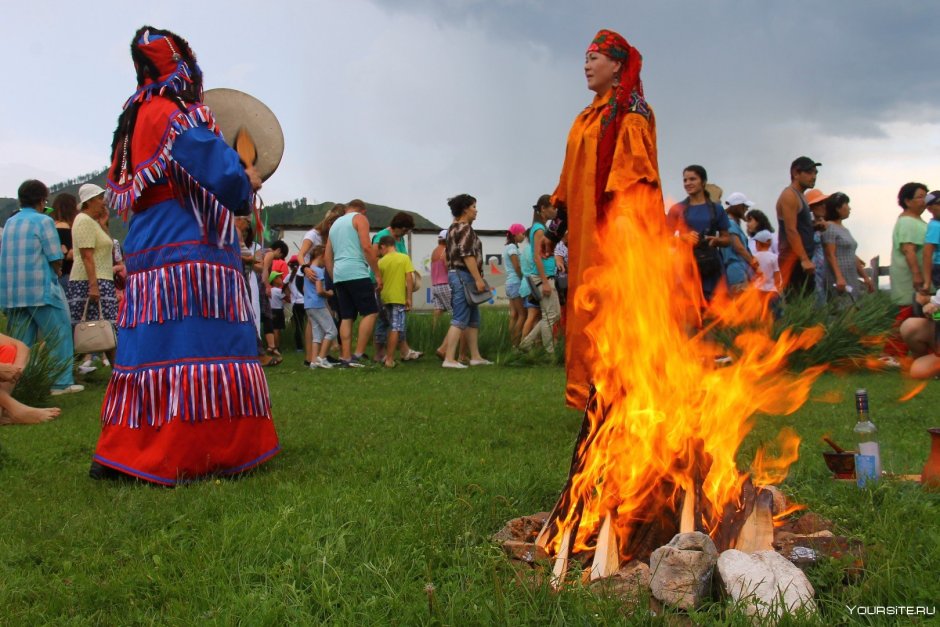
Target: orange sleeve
635,159
560,196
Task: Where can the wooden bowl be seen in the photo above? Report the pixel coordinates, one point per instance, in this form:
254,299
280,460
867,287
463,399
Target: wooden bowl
842,464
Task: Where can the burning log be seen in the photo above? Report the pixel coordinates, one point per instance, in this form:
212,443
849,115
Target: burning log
606,555
581,445
757,534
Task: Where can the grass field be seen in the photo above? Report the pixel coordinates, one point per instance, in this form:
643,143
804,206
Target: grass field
380,508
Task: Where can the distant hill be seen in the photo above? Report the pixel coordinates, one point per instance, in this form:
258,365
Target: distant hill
290,213
298,213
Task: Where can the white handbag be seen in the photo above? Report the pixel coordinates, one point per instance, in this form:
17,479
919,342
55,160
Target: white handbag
94,336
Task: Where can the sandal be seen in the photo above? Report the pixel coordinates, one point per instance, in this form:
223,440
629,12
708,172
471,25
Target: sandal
412,355
269,360
272,350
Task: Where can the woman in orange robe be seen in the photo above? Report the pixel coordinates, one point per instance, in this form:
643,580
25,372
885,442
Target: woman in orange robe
610,165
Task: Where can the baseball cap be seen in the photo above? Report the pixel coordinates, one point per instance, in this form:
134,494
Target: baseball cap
516,229
932,198
737,198
804,164
442,234
88,191
815,196
764,236
293,259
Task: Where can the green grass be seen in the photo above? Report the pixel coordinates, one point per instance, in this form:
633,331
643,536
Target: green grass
390,481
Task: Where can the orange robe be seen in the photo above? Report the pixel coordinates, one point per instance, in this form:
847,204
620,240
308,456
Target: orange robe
634,182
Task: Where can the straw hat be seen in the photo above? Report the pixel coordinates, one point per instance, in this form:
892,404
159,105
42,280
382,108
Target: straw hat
714,192
234,110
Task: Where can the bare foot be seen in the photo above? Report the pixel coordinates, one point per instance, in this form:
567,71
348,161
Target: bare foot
29,415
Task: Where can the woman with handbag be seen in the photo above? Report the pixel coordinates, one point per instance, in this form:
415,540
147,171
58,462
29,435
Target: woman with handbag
90,291
702,224
543,281
465,275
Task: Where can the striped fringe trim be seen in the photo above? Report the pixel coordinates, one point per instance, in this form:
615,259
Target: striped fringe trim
209,212
185,290
176,82
191,393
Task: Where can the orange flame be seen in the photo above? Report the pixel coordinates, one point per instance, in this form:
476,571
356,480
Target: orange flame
916,389
668,421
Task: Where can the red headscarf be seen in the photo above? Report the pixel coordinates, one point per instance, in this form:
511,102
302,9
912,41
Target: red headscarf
626,96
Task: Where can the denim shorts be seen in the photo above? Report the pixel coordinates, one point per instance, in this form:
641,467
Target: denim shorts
512,290
391,318
465,315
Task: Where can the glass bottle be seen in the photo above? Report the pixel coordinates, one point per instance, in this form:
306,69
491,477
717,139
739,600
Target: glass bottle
866,431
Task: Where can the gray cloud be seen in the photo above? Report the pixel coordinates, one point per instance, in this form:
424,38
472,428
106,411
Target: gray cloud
408,102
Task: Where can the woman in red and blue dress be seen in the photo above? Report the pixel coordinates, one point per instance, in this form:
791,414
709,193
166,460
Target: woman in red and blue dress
187,397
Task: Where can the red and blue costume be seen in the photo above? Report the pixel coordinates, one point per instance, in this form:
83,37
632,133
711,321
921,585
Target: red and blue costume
187,397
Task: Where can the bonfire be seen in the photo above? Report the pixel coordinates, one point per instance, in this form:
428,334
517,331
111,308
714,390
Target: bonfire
656,452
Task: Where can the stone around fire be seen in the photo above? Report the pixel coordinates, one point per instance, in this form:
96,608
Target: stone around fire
682,570
766,584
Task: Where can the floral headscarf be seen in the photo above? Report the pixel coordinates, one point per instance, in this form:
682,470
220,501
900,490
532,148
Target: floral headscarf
626,96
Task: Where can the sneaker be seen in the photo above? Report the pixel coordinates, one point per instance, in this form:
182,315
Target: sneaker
452,364
308,364
332,360
83,369
351,364
105,362
362,359
71,389
323,363
481,362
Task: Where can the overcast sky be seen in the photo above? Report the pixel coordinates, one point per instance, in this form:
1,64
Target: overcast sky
408,102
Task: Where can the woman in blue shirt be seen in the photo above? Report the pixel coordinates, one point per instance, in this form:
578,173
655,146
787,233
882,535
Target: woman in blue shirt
701,223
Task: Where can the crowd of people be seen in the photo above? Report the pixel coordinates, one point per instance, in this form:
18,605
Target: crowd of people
200,302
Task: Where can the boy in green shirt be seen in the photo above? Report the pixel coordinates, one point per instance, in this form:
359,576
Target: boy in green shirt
397,285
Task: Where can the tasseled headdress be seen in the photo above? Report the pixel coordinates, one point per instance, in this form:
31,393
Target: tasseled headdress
626,97
141,158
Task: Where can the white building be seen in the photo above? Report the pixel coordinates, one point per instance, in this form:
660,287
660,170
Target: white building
421,243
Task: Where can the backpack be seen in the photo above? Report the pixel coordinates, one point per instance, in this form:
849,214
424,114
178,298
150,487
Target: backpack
707,258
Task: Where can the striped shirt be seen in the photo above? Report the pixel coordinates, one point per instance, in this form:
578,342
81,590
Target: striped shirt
30,243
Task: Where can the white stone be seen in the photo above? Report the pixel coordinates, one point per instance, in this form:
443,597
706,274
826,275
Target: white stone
765,583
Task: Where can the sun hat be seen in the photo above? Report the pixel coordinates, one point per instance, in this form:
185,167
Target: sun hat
763,236
273,276
88,191
737,198
442,234
815,196
714,192
516,229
